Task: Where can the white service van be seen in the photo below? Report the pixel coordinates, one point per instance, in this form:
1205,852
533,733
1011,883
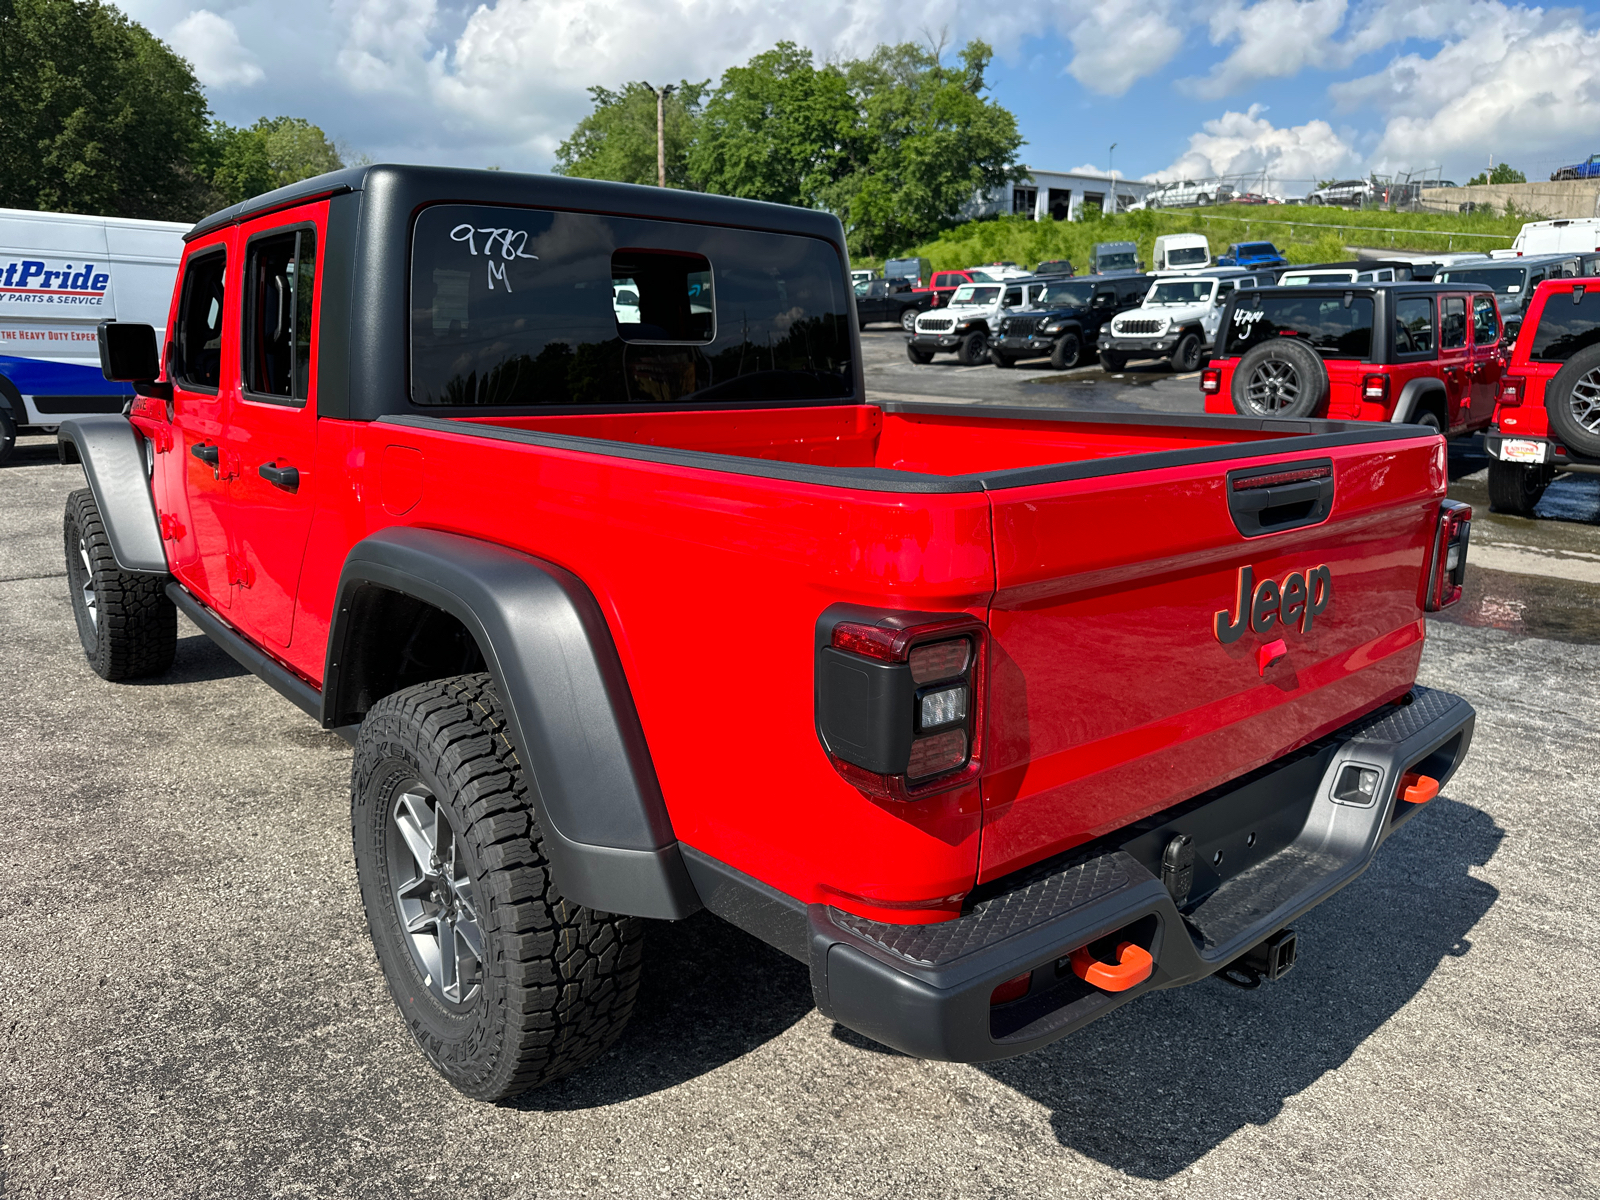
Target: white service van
61,274
1579,235
1177,253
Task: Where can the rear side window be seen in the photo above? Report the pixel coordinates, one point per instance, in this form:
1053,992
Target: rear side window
198,347
278,285
1335,324
1413,325
1570,323
530,307
1452,323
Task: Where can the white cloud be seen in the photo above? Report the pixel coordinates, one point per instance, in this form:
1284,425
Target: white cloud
1117,44
1275,39
212,46
1247,144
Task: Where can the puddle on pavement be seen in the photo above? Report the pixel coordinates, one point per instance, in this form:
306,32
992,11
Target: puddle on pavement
1531,605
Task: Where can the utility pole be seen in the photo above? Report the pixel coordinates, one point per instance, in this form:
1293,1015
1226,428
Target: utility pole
1112,171
661,133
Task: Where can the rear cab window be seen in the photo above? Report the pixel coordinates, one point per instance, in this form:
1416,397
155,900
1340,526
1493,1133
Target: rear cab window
1569,323
1336,324
533,307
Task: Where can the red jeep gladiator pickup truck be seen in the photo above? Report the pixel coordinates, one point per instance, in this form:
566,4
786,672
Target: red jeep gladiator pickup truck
562,501
1424,353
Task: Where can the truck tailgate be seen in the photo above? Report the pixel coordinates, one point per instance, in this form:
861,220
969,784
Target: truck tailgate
1112,695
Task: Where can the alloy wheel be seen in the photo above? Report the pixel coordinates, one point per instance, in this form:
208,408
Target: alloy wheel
1585,401
1273,386
88,584
433,895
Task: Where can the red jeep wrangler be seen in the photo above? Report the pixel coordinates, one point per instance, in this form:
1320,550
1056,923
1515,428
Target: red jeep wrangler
561,500
1427,354
1548,416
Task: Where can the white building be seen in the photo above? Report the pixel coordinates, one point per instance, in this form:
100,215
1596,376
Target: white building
1060,195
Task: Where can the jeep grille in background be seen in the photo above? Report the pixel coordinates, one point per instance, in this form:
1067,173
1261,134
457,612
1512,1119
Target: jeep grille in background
935,324
1019,326
1144,327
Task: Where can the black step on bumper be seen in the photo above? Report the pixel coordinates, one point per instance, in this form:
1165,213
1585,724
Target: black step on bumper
1267,848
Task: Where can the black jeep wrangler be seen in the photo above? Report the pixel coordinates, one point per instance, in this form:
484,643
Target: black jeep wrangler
1067,319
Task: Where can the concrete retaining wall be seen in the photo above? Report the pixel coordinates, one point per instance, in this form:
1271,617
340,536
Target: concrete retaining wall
1569,198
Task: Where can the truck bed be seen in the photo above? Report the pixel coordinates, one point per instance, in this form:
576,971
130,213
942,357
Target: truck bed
1098,548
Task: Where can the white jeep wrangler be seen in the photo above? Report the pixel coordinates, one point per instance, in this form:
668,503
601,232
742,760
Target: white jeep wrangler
1177,321
964,326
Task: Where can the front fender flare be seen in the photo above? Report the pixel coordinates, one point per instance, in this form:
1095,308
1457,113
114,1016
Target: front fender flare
113,459
572,720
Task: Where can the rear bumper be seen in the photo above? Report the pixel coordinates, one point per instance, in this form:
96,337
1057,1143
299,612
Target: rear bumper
925,989
1534,451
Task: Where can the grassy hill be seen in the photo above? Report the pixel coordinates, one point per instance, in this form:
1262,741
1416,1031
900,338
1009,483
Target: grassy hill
1305,234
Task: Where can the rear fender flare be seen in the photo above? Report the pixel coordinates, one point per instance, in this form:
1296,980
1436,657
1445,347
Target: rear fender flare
113,457
1412,397
572,720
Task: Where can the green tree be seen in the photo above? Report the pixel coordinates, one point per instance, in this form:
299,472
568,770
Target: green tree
778,129
1502,173
272,153
96,115
618,139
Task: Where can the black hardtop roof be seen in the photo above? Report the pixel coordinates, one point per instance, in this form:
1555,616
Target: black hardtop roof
443,185
1355,264
1368,285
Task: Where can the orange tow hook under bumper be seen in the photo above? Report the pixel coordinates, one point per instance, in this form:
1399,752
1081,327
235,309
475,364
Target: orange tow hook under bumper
1133,966
1418,789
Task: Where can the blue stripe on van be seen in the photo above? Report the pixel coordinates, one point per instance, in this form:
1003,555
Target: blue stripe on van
40,377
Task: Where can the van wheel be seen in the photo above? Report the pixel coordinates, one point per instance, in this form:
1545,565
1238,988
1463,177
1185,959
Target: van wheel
504,983
8,436
1280,379
1572,399
1516,488
1186,354
128,627
1067,352
921,357
974,348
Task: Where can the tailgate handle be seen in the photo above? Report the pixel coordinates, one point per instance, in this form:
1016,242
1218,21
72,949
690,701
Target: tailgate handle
1265,500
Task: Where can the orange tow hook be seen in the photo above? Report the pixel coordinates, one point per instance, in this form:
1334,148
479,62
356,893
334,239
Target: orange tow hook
1418,789
1133,966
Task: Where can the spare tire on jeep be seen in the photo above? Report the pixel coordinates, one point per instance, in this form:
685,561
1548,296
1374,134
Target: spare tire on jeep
1282,378
1572,402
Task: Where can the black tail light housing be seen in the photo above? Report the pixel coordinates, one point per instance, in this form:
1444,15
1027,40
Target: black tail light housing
1447,564
900,699
1211,381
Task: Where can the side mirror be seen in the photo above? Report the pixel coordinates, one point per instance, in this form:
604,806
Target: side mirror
128,352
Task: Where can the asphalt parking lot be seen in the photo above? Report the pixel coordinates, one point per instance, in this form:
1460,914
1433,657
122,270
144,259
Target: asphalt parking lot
189,1004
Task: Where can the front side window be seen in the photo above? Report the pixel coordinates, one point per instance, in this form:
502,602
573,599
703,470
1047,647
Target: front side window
1570,323
1013,297
1485,321
197,349
1452,323
279,281
1413,325
532,307
1334,324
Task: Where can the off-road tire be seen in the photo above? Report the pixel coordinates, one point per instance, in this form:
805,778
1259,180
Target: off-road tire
1186,354
1572,400
1112,361
1067,352
1280,378
557,981
908,320
8,436
973,349
921,357
1516,488
128,627
1004,361
1428,419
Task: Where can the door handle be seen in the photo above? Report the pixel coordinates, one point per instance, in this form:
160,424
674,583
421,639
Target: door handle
210,455
286,478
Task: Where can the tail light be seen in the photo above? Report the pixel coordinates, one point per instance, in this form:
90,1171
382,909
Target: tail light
1512,389
900,699
1211,381
1375,389
1447,568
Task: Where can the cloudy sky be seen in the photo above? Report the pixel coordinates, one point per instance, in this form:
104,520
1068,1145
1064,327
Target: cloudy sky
1301,89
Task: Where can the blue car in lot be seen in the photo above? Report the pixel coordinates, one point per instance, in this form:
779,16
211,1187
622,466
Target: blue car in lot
1589,168
1252,254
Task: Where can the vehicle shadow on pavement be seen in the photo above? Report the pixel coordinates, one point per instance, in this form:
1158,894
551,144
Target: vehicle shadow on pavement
198,660
711,994
1157,1085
